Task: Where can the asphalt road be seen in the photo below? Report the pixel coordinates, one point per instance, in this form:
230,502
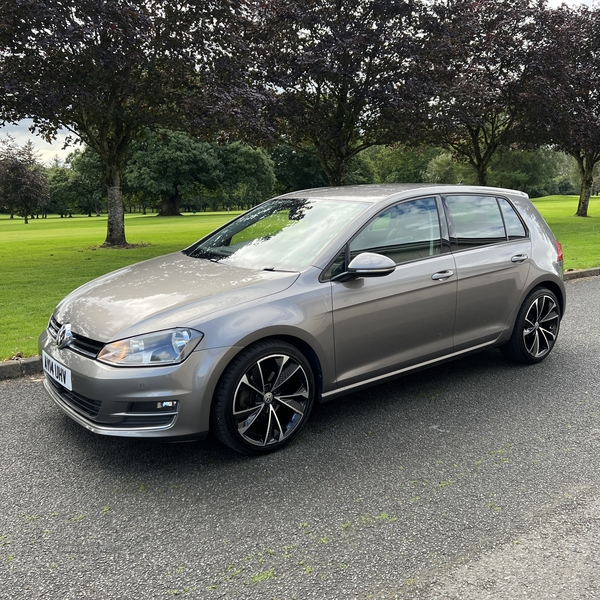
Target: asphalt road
478,479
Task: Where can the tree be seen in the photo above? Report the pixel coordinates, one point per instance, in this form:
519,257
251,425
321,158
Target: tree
173,167
62,191
479,56
107,71
295,169
562,93
168,164
246,174
343,76
401,164
87,174
445,168
77,185
535,172
23,185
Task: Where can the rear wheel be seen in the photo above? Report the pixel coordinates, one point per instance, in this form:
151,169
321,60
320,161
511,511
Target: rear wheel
536,328
264,398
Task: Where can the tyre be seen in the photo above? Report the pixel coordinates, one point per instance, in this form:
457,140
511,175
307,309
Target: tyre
264,398
536,328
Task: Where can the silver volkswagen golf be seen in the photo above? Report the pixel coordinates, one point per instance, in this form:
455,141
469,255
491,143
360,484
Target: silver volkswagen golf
304,298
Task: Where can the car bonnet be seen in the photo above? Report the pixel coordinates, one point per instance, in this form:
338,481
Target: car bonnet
161,293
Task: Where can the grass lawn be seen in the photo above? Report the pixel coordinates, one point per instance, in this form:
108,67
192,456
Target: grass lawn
42,262
580,238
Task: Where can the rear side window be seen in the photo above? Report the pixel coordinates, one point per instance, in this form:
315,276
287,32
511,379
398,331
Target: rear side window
514,227
482,220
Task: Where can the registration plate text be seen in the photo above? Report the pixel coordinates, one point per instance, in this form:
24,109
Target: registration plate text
57,372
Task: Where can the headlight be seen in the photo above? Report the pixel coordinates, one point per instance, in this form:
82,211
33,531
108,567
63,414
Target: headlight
151,349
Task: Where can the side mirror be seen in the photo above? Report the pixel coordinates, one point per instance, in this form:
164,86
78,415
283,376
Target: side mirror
370,264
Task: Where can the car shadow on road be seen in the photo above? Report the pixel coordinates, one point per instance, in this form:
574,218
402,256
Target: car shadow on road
386,416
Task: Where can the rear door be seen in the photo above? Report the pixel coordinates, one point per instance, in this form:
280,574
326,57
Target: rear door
492,250
382,324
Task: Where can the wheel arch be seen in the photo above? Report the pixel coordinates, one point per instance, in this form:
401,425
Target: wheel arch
530,344
311,356
301,345
556,289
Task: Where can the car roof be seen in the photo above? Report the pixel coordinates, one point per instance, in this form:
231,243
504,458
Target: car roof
375,193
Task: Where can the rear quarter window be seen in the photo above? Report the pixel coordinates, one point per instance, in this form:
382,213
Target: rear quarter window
515,229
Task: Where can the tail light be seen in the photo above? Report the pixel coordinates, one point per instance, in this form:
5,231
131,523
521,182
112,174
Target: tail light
559,251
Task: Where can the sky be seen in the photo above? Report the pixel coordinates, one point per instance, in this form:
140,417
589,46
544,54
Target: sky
46,152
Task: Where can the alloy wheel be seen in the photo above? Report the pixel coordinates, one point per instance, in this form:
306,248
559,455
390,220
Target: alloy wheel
541,326
271,400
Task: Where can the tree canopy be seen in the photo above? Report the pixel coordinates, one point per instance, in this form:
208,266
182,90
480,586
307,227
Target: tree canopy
563,95
168,164
343,76
23,186
481,49
107,71
151,86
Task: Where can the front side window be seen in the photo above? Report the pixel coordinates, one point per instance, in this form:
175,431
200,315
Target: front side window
405,232
475,220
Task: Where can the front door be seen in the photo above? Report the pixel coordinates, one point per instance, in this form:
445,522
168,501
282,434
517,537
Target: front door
383,324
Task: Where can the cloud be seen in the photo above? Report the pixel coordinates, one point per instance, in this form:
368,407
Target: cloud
45,151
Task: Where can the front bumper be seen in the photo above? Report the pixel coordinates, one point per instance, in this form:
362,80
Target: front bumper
152,402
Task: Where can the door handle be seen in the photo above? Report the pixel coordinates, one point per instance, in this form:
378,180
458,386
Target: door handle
519,258
441,275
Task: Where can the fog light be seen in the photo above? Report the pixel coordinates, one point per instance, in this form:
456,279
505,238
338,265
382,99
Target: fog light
169,405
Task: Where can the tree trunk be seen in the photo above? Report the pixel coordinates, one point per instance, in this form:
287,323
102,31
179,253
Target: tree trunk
482,175
115,233
586,169
584,197
335,170
169,207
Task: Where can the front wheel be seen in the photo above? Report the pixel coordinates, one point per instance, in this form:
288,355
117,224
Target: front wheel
264,398
536,328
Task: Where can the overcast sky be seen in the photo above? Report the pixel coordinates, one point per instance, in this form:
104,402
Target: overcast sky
47,151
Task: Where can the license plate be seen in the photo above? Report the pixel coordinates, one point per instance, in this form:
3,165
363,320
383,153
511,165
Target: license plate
56,371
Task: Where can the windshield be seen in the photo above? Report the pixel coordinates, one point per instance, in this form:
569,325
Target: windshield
284,234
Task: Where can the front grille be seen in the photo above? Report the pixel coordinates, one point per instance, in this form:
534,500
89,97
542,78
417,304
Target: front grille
84,406
80,344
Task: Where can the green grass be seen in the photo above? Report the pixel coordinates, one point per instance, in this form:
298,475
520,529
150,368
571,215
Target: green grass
42,262
579,237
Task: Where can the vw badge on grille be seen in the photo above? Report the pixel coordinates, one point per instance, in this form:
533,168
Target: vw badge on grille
64,336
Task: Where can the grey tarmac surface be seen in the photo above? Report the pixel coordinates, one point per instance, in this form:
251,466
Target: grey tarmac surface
477,479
